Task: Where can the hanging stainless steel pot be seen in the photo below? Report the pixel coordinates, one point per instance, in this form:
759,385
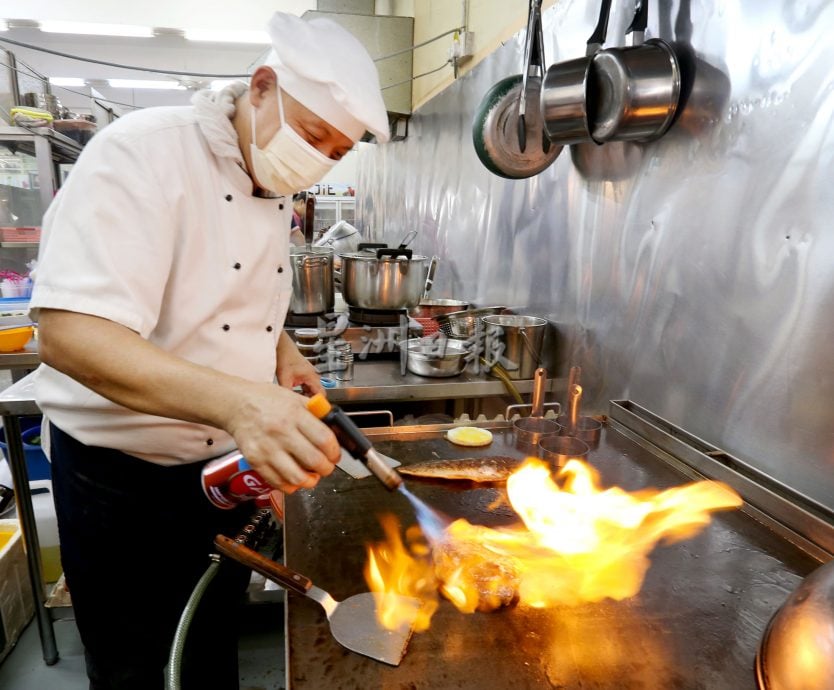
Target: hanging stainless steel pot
637,88
567,98
389,278
312,280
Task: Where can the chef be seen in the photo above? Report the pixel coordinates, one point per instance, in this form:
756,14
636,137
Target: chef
162,287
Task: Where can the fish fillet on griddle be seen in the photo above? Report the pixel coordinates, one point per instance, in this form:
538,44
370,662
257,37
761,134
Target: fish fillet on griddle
491,469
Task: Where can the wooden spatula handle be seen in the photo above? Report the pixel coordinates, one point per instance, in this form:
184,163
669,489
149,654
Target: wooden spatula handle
260,564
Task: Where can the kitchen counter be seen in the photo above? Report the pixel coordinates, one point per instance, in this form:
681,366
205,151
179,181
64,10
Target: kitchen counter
383,381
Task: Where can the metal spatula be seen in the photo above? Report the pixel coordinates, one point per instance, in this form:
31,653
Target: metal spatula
353,622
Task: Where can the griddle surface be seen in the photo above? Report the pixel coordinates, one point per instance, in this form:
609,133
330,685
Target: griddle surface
696,623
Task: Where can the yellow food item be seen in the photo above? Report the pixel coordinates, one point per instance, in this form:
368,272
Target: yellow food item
469,436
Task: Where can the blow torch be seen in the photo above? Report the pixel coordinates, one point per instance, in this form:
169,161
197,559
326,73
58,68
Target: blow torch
229,480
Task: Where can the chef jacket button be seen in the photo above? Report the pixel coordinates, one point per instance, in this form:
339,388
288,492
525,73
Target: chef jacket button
280,207
236,266
280,269
228,197
226,327
269,329
209,441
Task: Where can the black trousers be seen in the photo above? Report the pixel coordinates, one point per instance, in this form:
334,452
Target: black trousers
135,539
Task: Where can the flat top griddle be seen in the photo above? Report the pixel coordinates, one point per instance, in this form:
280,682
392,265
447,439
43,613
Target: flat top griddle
696,623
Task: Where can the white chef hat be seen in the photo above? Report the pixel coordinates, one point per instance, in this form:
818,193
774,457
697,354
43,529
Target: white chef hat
326,69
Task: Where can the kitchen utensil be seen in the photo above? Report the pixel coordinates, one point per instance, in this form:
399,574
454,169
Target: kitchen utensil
430,276
353,467
386,279
637,88
308,219
353,440
568,105
436,357
573,423
432,308
559,449
797,650
530,430
503,125
465,323
408,239
313,291
342,237
515,341
353,622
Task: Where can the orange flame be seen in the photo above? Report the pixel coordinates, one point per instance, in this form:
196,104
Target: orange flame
579,543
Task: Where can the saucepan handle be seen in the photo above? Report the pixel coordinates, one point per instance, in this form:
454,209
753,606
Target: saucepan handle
597,38
637,28
289,579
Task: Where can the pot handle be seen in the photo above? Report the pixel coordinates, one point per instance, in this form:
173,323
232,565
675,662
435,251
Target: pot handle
597,38
394,252
637,28
370,245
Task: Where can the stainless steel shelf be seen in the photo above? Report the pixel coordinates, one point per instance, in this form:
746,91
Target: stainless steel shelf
19,245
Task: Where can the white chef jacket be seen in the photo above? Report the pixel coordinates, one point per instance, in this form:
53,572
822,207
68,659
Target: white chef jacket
156,229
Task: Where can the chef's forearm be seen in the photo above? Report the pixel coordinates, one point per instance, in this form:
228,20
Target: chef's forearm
118,364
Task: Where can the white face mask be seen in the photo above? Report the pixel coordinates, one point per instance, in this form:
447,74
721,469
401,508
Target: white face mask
287,164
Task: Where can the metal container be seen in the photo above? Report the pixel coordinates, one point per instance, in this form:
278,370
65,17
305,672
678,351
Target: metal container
637,88
432,308
516,342
312,280
797,651
342,237
568,92
464,324
436,357
389,278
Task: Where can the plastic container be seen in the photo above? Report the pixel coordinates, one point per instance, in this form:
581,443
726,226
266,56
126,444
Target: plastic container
36,461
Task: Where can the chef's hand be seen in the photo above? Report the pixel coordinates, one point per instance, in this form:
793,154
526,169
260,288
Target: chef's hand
286,444
294,370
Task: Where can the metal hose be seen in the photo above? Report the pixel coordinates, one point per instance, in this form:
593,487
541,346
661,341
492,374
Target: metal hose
173,672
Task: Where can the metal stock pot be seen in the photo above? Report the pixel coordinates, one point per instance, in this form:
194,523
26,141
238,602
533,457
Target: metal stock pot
312,280
383,279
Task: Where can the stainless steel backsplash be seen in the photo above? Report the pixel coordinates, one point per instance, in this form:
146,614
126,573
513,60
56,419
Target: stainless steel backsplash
693,275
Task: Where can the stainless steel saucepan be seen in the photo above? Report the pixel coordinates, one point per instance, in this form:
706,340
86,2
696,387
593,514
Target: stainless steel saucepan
389,278
637,88
567,97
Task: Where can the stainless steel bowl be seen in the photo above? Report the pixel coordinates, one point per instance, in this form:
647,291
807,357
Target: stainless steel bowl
797,651
436,357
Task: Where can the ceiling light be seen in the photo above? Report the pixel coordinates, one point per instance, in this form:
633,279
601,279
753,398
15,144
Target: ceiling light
227,36
67,81
96,29
144,84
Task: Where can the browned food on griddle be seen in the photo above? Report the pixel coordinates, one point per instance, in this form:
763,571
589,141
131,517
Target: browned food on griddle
474,577
492,469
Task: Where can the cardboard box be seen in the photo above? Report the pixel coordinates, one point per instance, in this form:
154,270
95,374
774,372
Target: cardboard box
17,605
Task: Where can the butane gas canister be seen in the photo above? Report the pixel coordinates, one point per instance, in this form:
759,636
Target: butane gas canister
229,480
